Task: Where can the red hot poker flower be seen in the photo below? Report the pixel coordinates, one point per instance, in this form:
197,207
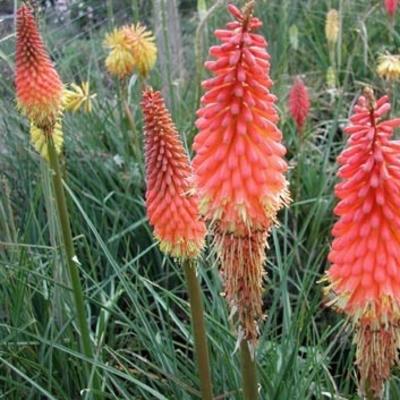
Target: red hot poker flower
39,88
299,103
171,207
391,7
239,163
365,256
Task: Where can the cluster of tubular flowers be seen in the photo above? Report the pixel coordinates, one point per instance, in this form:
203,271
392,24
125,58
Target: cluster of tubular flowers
299,103
78,97
239,166
364,275
39,139
172,207
38,87
332,26
391,7
131,48
389,67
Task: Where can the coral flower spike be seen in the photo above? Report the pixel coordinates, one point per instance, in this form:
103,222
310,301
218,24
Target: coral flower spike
391,7
39,88
299,103
172,208
364,278
239,165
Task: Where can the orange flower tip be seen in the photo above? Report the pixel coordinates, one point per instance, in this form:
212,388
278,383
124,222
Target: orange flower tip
239,165
38,87
363,276
299,103
172,207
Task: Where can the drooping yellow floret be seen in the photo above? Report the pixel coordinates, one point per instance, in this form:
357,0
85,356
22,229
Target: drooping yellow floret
120,61
77,97
389,67
144,49
40,139
132,48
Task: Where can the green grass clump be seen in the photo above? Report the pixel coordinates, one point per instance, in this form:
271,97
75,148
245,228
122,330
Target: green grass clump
136,300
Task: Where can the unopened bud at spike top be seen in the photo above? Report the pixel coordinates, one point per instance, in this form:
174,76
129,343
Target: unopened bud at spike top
364,278
239,164
299,103
172,207
38,86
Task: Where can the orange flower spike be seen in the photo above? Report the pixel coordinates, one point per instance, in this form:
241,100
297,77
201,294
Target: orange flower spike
299,103
39,88
239,161
172,208
365,273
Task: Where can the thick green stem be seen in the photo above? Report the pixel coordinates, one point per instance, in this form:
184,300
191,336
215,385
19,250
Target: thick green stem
66,235
249,372
199,331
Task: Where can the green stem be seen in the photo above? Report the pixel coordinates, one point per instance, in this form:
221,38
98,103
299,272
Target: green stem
66,235
249,372
199,332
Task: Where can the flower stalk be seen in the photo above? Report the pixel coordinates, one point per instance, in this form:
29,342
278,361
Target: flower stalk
173,211
199,330
71,260
249,372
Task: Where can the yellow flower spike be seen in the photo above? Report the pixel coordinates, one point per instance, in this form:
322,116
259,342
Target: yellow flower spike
120,61
144,48
332,26
389,67
39,139
78,97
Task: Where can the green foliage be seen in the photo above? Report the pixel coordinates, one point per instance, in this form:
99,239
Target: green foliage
137,303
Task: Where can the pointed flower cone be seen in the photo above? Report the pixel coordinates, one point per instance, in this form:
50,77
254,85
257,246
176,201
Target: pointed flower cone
364,279
39,88
299,103
172,207
239,165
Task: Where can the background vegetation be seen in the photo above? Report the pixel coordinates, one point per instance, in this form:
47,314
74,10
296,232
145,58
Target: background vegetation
137,302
